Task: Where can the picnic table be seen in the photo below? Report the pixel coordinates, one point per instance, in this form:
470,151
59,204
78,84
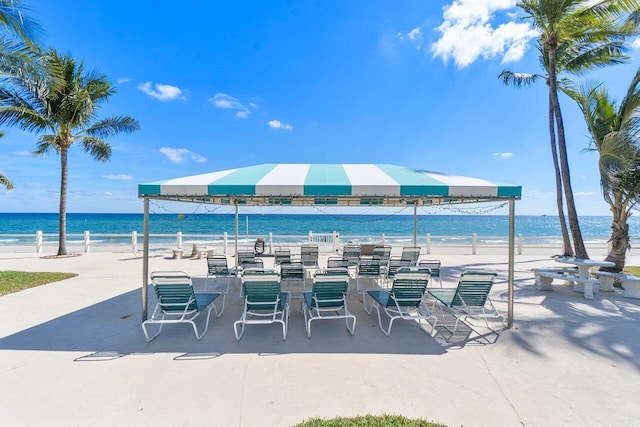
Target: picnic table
584,283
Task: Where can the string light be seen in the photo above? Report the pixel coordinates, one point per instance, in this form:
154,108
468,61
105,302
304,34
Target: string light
158,209
349,218
467,210
206,209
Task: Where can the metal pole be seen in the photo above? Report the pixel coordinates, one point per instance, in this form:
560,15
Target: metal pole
512,228
415,223
236,241
145,258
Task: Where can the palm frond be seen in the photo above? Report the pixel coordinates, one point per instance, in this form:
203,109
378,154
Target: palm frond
510,78
631,102
47,144
97,148
4,181
14,17
582,58
113,126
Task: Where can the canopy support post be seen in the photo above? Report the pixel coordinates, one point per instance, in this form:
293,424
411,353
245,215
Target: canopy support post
145,259
235,202
511,261
415,223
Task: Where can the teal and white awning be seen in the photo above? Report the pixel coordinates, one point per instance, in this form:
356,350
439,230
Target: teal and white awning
326,184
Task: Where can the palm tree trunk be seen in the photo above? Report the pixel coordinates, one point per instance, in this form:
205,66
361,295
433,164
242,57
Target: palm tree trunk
574,224
567,250
62,218
620,241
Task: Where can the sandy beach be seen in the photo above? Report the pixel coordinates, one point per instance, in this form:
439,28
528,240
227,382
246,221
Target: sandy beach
73,353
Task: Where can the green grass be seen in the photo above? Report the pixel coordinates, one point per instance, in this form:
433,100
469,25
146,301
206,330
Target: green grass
631,270
14,281
369,421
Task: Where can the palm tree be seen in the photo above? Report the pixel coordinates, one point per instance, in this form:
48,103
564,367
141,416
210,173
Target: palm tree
576,36
18,32
69,113
615,136
527,79
4,181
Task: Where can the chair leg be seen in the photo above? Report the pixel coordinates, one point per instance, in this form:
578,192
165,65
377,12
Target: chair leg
353,326
284,330
222,308
308,326
391,319
240,332
206,325
364,302
146,333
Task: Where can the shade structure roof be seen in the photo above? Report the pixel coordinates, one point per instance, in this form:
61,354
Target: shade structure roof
328,184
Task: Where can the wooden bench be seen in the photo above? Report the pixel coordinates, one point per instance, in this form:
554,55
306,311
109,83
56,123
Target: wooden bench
544,278
630,284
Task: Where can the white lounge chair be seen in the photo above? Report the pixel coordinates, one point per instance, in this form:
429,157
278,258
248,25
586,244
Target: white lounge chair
405,300
328,299
179,303
264,302
470,299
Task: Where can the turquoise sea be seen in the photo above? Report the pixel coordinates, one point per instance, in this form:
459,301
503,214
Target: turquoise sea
536,229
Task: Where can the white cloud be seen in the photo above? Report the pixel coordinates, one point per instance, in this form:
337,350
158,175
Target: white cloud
415,36
390,42
118,177
277,124
181,155
161,91
503,155
22,153
123,80
467,33
586,193
108,193
228,102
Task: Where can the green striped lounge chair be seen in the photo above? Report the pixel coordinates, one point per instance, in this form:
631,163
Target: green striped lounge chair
217,267
282,255
179,303
352,254
412,253
470,299
405,300
368,269
394,265
328,298
264,302
309,256
434,266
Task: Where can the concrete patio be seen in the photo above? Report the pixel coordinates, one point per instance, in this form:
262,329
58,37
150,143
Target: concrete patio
73,353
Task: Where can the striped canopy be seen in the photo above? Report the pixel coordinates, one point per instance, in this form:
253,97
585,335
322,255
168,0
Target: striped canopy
328,184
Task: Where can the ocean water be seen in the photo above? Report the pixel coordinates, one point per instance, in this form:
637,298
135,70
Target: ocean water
489,228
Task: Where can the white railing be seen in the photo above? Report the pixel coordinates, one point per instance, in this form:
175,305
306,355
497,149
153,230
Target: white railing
327,242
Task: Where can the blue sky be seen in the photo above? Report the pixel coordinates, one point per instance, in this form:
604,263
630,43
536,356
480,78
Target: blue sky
223,84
